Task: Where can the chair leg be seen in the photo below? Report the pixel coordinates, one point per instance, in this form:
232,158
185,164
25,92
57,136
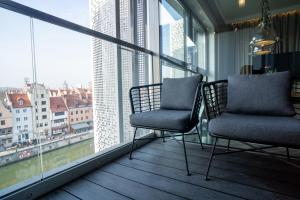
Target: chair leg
163,135
228,145
186,161
132,145
200,136
210,159
288,153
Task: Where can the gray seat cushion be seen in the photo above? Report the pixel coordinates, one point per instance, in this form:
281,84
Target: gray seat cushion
280,130
267,94
162,119
179,93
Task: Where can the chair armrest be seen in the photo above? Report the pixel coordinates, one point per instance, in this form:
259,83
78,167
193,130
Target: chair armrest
215,98
145,97
197,105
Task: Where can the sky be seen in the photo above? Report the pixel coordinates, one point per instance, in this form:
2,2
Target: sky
61,54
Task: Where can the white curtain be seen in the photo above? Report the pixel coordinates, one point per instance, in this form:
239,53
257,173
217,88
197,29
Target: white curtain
233,51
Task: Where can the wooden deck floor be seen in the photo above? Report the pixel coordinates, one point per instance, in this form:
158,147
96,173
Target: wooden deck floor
158,172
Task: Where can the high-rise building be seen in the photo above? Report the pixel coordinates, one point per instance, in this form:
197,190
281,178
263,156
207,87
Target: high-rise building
116,69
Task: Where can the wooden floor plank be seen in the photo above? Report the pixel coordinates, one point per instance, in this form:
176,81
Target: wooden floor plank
87,190
127,187
194,156
257,160
166,184
158,171
220,173
59,195
260,161
198,179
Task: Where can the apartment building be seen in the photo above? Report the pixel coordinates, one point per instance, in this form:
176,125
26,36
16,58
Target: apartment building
21,109
80,113
6,123
59,116
38,94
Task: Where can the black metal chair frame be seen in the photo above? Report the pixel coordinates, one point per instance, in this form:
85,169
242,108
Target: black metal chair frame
215,101
147,98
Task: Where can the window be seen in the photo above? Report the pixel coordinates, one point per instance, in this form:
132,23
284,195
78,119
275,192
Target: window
86,117
24,110
59,113
0,114
18,127
172,27
17,111
44,109
18,119
53,45
25,118
25,126
20,101
42,95
2,122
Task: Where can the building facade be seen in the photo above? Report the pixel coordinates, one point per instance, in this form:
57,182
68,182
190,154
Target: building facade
6,126
39,96
116,70
59,116
21,109
80,114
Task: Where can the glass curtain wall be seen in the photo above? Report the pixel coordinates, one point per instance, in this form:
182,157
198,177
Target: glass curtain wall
181,38
64,95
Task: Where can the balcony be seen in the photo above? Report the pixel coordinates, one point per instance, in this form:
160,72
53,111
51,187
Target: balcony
67,72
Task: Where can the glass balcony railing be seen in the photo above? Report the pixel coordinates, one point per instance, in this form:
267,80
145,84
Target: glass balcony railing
64,94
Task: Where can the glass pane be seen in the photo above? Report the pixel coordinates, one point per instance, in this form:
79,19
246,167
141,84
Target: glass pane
19,143
63,108
74,11
172,27
200,50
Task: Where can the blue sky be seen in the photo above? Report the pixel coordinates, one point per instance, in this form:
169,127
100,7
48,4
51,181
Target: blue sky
61,54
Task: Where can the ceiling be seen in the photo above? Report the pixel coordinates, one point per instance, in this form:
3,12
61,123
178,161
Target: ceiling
222,13
230,10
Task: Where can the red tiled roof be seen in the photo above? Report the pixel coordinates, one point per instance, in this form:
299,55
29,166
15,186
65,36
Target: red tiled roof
57,104
74,101
19,100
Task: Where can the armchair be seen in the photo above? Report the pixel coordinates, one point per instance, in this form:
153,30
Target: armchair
171,106
254,109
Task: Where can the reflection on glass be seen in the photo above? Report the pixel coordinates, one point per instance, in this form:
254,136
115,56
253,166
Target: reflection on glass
172,28
199,41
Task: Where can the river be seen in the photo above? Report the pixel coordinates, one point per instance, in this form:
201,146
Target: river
25,169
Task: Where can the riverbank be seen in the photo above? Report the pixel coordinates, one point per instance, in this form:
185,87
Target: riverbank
19,171
18,155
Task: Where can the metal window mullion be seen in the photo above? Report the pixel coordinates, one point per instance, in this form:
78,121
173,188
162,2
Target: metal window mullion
119,73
